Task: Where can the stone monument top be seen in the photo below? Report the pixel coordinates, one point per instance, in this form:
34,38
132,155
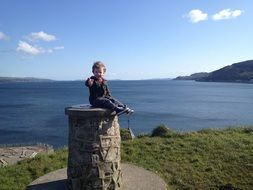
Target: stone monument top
86,110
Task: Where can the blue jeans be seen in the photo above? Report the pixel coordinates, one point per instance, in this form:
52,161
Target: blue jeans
107,102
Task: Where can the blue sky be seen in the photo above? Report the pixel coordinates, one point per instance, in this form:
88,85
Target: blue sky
136,39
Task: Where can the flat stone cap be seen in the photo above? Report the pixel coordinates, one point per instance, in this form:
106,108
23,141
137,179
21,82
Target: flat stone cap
86,110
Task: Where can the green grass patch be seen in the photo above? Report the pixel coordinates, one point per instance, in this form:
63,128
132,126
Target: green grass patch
207,159
18,176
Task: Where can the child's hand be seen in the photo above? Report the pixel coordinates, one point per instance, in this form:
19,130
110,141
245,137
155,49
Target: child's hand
90,81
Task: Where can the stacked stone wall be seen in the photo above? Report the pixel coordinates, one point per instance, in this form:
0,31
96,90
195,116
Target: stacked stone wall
94,152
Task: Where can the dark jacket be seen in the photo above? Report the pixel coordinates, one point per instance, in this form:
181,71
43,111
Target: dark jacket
98,89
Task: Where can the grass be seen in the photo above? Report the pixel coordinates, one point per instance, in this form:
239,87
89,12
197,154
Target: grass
17,177
207,159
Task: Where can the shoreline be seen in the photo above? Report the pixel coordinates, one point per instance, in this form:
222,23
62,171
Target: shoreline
13,153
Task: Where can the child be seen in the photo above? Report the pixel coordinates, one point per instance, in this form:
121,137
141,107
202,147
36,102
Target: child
100,95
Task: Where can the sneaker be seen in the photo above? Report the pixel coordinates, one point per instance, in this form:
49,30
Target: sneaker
119,111
129,111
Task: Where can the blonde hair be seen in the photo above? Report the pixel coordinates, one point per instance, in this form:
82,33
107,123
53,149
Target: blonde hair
97,65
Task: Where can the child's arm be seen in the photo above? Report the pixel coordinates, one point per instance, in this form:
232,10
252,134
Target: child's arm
89,82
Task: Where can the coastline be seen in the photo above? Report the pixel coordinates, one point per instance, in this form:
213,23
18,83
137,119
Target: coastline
13,153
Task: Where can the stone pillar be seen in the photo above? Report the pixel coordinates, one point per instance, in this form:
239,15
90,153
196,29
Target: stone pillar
94,149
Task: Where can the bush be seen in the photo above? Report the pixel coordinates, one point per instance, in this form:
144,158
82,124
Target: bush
162,131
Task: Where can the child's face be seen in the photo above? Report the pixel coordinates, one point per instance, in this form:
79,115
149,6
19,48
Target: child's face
99,72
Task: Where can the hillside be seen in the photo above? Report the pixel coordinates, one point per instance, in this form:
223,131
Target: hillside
237,72
194,76
23,79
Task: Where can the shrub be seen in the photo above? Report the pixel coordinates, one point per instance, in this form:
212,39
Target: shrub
162,131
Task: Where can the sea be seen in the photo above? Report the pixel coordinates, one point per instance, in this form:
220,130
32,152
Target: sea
33,112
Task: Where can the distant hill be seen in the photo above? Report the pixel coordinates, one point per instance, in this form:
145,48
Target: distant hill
237,72
23,79
194,76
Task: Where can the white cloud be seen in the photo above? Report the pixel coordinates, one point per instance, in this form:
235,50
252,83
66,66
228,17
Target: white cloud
34,50
3,36
226,14
197,15
37,36
29,49
32,47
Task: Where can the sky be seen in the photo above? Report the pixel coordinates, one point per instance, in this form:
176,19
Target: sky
136,39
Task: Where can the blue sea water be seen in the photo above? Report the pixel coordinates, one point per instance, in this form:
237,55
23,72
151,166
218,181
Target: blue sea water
34,112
